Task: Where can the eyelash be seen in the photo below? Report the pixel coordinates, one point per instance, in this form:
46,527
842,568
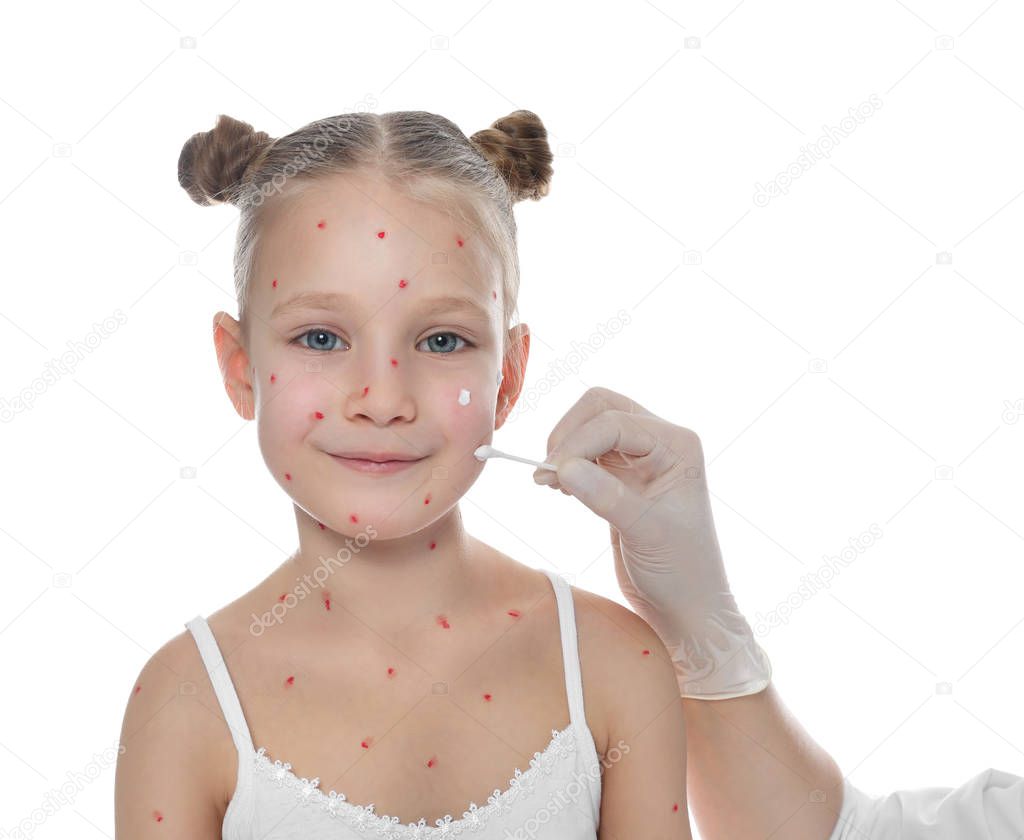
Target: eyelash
302,335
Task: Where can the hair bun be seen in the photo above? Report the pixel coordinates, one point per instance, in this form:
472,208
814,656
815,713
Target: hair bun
517,145
212,163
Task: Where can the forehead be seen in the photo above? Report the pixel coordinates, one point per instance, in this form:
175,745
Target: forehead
357,227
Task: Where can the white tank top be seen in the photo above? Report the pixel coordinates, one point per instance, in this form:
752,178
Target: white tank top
557,798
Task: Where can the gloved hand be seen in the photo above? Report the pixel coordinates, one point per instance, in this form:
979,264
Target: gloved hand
646,477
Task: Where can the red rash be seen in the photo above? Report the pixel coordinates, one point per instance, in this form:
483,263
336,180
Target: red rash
444,622
647,653
432,762
402,284
327,600
380,234
391,672
353,517
514,613
487,697
288,476
319,415
394,363
321,224
290,680
273,378
274,284
158,816
366,390
426,501
433,545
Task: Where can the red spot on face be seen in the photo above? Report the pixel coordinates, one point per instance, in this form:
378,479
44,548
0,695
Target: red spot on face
675,807
514,613
138,688
380,234
391,672
402,284
494,294
290,680
432,762
322,526
273,378
274,284
282,596
433,545
444,622
647,653
353,517
321,224
366,390
366,744
319,415
487,697
394,363
158,816
288,476
458,242
426,501
327,600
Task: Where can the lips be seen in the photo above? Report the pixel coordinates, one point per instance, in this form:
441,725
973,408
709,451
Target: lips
379,457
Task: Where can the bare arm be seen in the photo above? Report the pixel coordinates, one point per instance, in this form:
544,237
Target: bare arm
755,772
643,789
165,778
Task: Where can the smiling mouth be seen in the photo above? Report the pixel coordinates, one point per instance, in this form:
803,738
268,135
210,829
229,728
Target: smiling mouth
373,467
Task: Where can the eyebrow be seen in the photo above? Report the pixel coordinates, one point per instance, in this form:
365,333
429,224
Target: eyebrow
333,301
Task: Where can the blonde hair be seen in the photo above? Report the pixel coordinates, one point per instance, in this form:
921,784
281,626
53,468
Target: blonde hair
476,179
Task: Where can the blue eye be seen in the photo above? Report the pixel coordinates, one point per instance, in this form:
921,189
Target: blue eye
445,344
322,340
321,337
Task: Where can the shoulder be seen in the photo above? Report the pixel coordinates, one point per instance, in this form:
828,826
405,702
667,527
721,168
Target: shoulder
175,745
618,648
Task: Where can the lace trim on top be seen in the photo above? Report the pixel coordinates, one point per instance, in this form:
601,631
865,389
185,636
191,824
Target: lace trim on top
363,817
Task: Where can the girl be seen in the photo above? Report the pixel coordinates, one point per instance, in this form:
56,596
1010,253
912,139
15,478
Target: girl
395,677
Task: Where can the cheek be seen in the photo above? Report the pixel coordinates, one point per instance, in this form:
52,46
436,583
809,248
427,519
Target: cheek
469,410
291,405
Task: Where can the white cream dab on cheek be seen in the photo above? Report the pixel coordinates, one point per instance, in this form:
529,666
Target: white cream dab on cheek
463,397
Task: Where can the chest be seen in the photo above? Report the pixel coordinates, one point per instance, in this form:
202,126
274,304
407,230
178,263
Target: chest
420,734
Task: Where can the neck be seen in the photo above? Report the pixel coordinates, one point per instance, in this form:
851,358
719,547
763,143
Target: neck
391,582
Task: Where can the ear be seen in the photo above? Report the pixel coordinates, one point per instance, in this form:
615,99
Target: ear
234,364
513,368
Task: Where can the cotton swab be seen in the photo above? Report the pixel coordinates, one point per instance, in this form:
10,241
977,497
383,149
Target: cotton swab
482,453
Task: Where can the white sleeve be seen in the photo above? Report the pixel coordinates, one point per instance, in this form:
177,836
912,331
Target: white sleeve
988,806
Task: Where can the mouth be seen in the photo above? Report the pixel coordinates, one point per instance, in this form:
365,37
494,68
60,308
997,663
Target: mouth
376,463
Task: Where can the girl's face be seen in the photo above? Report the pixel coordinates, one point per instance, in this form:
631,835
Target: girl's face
375,327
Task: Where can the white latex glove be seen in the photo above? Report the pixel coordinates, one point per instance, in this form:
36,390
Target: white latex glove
646,477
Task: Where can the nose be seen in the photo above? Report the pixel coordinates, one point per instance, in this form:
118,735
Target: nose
384,394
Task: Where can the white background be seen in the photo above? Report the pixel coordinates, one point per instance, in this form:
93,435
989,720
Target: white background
842,374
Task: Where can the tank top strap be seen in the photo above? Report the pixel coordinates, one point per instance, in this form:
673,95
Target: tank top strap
570,649
222,684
